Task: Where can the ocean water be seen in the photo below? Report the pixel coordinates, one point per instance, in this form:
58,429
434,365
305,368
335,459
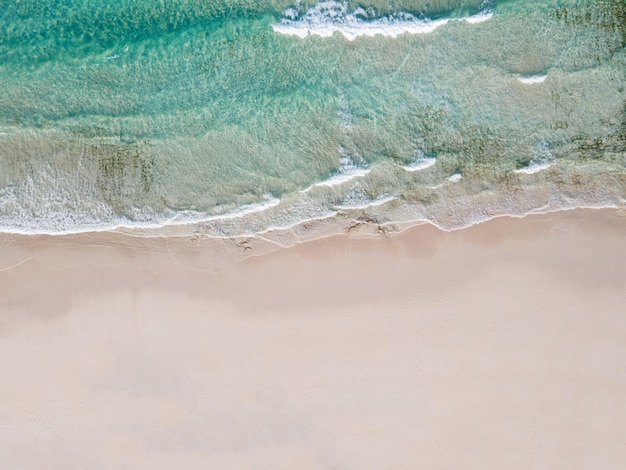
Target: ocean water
233,118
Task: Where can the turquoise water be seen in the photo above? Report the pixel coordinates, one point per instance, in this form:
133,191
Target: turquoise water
242,116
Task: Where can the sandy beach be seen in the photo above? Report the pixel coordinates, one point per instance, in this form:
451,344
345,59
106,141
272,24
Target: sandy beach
498,346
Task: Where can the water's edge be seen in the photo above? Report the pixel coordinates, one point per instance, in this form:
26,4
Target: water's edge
209,253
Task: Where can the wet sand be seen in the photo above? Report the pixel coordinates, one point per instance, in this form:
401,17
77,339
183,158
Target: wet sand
499,346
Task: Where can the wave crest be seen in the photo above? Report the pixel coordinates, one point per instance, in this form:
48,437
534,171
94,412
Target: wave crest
327,18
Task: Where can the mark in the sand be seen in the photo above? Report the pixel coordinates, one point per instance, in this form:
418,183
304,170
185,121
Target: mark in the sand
245,245
383,231
368,221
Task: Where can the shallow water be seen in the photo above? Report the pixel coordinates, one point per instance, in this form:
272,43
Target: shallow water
231,118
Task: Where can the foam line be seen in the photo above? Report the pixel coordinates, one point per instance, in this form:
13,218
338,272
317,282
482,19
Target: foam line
374,203
420,164
327,18
479,17
348,170
533,168
532,79
190,217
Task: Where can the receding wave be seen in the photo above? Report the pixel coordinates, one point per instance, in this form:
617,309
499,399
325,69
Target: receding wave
542,159
532,79
327,18
533,168
191,217
420,164
364,202
348,170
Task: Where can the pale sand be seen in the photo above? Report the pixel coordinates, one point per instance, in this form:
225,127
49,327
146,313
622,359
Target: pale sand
498,346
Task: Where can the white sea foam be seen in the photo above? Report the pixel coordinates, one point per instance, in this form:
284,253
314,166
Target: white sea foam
341,178
533,168
379,201
451,179
58,212
542,159
532,79
420,164
348,170
273,228
479,17
327,18
189,217
38,204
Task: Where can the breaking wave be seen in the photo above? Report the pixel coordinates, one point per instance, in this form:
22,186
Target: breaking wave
328,18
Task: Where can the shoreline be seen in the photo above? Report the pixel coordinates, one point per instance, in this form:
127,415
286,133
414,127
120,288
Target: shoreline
452,204
233,249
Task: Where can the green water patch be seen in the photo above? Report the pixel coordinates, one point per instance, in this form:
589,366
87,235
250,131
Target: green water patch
608,16
38,31
123,169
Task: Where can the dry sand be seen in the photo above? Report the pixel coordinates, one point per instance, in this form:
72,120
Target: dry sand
499,346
